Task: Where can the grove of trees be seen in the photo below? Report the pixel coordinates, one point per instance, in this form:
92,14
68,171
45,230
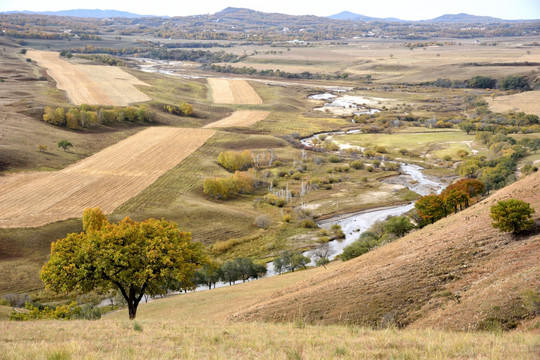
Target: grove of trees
87,116
431,208
230,187
233,160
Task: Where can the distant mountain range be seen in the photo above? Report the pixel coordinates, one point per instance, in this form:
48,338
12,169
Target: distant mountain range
461,18
88,13
230,11
347,15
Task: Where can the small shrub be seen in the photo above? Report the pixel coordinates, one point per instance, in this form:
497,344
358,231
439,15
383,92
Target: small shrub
263,221
358,165
447,158
22,51
340,351
309,224
5,302
462,153
531,301
381,149
369,168
278,163
370,153
287,218
28,60
137,327
58,355
334,159
42,148
297,175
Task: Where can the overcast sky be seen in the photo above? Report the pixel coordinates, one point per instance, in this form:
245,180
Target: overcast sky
403,9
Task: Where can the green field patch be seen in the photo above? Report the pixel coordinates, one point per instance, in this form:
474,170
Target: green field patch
281,123
436,144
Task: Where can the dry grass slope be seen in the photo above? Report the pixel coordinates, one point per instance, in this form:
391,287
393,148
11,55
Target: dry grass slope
525,101
240,118
90,84
458,274
193,326
106,179
226,91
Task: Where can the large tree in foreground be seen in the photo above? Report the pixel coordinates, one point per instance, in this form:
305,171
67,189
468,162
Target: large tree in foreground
136,258
512,215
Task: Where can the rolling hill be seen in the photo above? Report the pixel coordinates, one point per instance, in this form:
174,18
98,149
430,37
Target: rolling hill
458,274
88,13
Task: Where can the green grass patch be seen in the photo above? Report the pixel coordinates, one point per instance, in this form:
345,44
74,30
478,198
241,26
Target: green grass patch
281,123
437,143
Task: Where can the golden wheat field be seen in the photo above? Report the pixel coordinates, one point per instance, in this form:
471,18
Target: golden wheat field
90,84
225,91
240,118
106,179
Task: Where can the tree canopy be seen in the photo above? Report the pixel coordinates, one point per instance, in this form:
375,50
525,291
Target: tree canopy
136,258
512,215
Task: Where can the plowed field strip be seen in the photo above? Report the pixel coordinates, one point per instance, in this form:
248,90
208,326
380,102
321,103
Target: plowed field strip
240,118
106,179
226,91
89,84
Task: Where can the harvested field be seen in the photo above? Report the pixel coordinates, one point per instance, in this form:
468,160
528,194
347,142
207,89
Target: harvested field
106,179
525,101
90,84
226,91
240,118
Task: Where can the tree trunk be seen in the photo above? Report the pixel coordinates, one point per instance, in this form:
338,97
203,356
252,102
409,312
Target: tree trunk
132,308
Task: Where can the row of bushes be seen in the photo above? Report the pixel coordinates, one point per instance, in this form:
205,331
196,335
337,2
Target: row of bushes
271,73
484,82
162,53
64,312
229,272
86,116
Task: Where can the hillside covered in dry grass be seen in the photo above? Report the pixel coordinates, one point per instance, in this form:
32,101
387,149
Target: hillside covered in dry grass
459,274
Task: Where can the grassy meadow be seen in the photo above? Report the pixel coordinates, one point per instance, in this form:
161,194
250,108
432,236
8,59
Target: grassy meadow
197,326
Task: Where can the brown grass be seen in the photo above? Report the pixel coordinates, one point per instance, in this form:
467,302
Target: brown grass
526,101
106,179
90,84
458,273
240,118
226,91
